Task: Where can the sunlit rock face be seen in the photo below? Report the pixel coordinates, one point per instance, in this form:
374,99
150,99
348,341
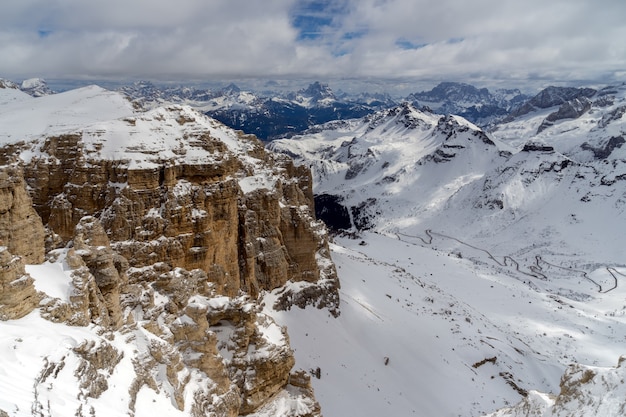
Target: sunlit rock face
165,228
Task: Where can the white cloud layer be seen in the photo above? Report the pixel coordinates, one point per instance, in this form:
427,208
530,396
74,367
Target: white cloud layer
496,40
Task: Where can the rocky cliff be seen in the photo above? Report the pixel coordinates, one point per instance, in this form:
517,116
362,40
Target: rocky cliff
168,227
21,241
585,391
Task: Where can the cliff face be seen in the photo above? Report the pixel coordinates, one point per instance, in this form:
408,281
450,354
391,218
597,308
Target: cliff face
168,226
21,242
241,215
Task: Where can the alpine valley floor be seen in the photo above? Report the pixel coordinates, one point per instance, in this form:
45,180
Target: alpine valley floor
426,331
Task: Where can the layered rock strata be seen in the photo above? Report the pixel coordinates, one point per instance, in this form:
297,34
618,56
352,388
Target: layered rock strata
241,215
168,226
21,242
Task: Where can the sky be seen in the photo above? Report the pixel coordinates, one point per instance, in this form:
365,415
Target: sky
480,41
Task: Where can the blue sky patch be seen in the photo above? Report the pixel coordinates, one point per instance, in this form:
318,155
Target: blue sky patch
44,33
404,43
455,40
315,18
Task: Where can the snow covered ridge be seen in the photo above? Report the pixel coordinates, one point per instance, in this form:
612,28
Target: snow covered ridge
538,211
266,114
112,129
378,164
406,169
141,294
35,87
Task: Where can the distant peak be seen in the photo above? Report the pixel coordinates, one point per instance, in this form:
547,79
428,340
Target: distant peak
231,88
318,91
554,96
143,84
36,87
449,90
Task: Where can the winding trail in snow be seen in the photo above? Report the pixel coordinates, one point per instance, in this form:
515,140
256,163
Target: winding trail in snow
536,270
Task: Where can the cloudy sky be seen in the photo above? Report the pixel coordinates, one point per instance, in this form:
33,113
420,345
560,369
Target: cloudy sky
493,41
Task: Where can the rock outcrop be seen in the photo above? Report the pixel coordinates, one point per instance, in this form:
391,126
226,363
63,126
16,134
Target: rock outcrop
550,97
186,213
167,227
571,109
585,391
21,242
21,229
17,292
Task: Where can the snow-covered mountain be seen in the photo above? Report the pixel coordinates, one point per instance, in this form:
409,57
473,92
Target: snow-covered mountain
36,87
477,105
476,268
520,228
134,247
377,165
271,115
266,115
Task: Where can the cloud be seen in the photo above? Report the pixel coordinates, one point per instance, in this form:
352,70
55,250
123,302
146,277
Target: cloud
559,40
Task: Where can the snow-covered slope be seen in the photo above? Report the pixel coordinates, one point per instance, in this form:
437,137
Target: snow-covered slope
58,113
394,167
522,230
10,92
424,332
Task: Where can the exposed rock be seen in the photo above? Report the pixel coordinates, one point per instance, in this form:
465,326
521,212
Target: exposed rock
36,87
8,84
550,97
256,350
107,267
17,292
612,116
606,150
297,400
21,242
168,247
21,229
98,362
183,211
571,109
537,147
191,336
86,303
585,391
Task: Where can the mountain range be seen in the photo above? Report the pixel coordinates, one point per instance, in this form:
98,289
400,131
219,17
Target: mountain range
481,269
270,115
266,115
529,218
273,114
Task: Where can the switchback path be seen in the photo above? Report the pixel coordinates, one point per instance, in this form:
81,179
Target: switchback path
535,271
